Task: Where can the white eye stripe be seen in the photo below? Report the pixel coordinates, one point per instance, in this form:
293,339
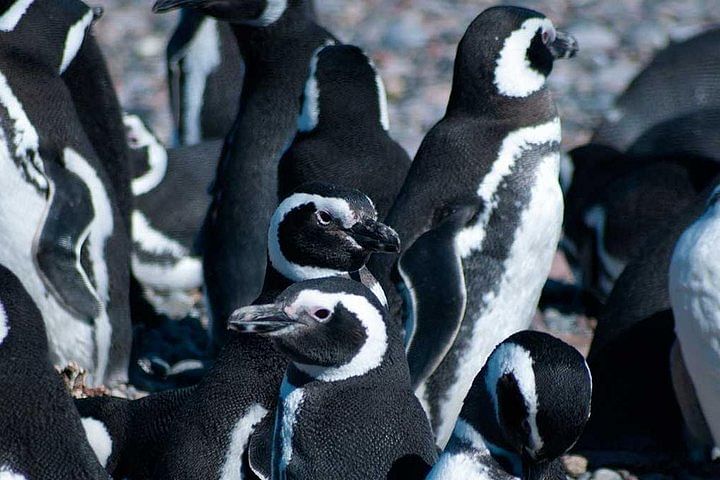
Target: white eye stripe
514,77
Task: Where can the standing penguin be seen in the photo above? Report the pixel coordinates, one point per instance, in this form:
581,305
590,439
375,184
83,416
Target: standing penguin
343,130
62,232
346,409
528,406
320,230
693,284
276,39
205,76
480,212
41,434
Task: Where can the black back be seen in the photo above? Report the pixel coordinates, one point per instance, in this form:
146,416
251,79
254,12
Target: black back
234,239
634,405
680,80
349,146
41,433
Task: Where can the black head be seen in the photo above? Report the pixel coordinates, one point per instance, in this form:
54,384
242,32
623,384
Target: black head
343,88
46,34
331,328
255,13
324,230
509,51
540,389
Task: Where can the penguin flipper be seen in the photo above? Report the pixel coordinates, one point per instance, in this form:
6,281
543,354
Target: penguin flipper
59,245
433,287
260,447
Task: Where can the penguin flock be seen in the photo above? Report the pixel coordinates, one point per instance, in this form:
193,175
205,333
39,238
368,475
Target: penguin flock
363,315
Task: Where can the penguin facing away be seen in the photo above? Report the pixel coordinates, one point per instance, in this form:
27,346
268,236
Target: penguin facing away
343,130
635,407
346,409
320,230
481,206
527,407
693,280
63,234
42,435
615,203
277,40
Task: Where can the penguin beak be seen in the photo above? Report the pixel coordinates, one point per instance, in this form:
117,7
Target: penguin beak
162,6
375,236
259,319
564,46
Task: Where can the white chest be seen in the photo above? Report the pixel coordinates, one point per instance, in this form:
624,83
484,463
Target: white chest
291,399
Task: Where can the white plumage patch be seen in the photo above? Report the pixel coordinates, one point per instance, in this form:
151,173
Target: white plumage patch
98,438
337,207
12,16
4,325
510,358
100,231
515,143
310,112
273,11
695,299
185,273
24,136
514,76
369,356
239,438
291,399
141,137
6,473
509,308
74,39
201,58
456,463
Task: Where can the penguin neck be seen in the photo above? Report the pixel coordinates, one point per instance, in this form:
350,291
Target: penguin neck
258,44
480,98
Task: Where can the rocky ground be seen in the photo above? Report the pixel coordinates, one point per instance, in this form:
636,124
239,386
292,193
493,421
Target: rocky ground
413,42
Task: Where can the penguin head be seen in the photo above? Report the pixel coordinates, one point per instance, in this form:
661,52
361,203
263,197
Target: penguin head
46,35
343,88
254,13
509,51
330,328
325,230
540,390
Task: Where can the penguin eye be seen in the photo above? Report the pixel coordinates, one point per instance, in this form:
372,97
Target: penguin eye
321,314
323,217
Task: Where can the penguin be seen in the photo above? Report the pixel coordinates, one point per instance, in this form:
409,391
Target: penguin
320,230
527,407
205,75
694,299
343,130
480,212
616,201
164,259
42,434
637,419
680,80
62,231
276,39
346,408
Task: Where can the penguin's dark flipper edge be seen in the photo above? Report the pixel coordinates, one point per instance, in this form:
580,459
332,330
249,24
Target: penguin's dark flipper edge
433,287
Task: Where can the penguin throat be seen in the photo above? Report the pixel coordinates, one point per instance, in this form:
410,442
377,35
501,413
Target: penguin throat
371,354
272,13
514,75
